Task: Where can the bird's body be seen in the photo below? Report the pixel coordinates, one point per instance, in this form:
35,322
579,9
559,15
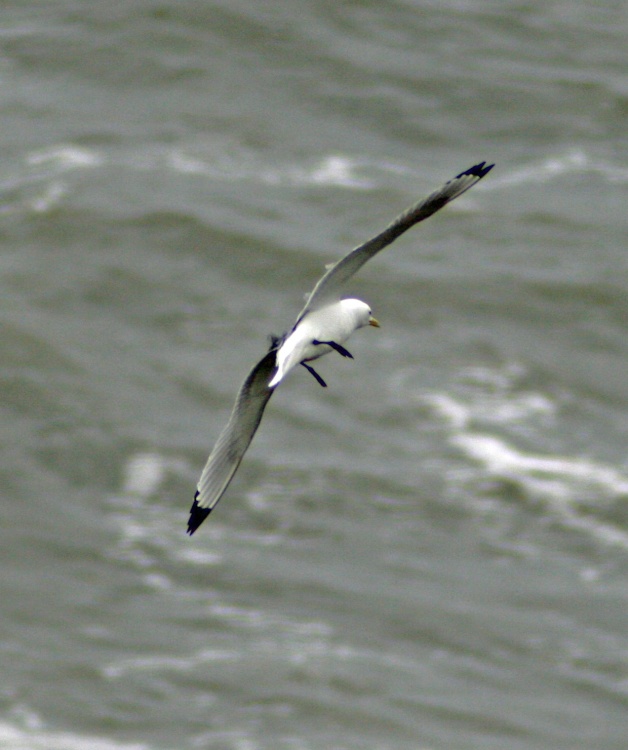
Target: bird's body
310,336
323,326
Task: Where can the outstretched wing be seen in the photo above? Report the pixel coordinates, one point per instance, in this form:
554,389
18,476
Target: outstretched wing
233,441
328,287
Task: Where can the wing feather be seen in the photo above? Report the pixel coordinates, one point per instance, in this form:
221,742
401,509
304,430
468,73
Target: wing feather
254,394
328,287
234,440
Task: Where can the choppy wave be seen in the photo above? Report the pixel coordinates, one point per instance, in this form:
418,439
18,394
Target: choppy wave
578,491
290,641
333,170
47,176
145,528
570,161
29,732
42,181
355,606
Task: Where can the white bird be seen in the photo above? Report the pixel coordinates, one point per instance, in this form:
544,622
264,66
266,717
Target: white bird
323,325
319,332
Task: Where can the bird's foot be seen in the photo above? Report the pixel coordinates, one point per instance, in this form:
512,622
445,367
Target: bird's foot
340,349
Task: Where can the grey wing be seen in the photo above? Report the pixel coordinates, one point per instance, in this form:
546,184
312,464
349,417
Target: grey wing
329,285
233,441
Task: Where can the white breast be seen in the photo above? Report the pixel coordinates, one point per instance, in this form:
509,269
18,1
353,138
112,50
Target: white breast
334,322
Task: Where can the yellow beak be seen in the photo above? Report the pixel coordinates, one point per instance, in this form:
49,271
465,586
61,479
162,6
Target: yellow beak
373,322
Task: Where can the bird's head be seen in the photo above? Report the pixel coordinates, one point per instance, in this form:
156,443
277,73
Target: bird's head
360,311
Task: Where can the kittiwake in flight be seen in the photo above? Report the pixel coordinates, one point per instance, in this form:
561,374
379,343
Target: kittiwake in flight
323,326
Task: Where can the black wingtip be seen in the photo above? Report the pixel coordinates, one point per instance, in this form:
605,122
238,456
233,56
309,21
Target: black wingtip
478,170
197,515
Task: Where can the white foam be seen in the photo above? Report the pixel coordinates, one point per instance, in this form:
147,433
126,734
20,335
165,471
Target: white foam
490,408
577,490
143,474
500,458
120,668
14,737
338,171
147,529
293,638
180,162
65,157
572,161
42,183
49,197
241,164
560,483
455,414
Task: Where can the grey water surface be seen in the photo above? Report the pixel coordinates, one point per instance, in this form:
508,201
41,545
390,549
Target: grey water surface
430,554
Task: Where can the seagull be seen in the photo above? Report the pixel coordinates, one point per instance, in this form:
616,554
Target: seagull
323,326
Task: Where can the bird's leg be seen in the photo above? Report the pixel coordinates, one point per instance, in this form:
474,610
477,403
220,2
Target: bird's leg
337,347
315,375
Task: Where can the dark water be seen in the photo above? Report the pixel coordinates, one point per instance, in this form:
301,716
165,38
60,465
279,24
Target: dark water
432,553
